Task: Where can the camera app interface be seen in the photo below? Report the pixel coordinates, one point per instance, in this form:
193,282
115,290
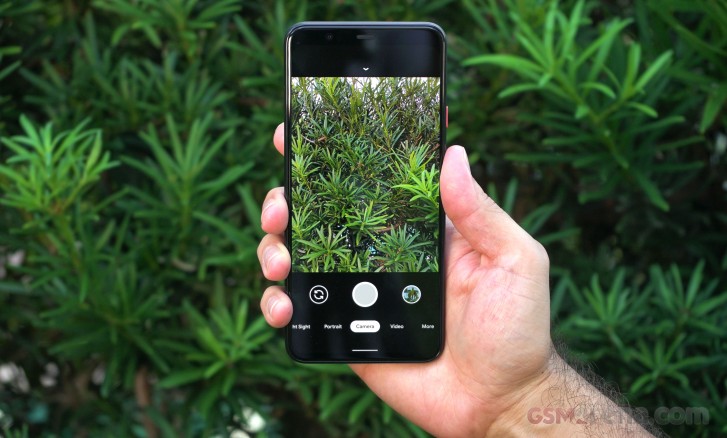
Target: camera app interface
365,158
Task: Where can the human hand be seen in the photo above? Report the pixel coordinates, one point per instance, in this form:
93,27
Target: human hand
497,310
498,356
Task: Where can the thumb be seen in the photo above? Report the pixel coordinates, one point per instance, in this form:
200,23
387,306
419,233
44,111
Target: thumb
485,226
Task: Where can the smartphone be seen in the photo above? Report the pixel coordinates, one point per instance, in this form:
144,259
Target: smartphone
364,141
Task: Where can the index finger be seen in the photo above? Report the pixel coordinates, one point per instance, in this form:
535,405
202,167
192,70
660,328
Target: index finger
279,139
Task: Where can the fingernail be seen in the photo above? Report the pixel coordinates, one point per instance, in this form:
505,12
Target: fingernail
272,302
266,205
463,157
268,255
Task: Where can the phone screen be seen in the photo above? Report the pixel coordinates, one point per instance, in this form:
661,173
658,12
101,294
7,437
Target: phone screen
364,140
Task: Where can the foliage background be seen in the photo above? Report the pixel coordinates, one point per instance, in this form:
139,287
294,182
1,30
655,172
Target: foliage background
129,283
368,148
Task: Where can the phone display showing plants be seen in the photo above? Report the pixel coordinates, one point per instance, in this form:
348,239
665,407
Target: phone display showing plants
365,174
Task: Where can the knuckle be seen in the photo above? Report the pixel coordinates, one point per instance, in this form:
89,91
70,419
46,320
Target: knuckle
528,256
538,254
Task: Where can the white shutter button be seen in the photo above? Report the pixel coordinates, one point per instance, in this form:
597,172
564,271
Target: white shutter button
365,294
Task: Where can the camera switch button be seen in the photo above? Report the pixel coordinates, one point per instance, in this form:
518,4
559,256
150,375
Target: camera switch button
318,294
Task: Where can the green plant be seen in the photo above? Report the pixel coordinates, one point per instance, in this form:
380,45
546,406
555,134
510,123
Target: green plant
112,279
47,178
599,85
661,329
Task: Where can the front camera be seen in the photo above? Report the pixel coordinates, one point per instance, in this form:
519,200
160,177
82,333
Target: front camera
329,37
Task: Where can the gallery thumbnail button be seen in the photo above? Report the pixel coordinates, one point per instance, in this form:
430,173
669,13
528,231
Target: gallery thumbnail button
365,326
411,294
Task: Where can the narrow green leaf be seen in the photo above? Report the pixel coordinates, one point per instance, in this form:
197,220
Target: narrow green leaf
518,89
661,62
558,236
152,35
231,175
549,36
241,318
640,383
94,155
13,175
592,159
712,328
386,414
694,284
510,194
337,402
603,89
677,167
151,352
545,80
515,63
715,102
633,61
706,307
535,52
646,109
657,125
598,193
569,34
227,383
183,377
652,192
679,143
360,407
221,317
575,140
9,69
601,47
251,206
14,288
582,110
208,339
213,369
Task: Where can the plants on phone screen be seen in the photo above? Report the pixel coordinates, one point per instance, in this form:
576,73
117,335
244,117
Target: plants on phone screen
327,246
366,221
424,189
367,151
404,252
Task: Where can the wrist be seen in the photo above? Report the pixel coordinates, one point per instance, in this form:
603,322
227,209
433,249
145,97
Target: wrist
513,421
563,404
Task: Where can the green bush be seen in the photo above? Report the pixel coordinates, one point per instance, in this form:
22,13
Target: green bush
135,151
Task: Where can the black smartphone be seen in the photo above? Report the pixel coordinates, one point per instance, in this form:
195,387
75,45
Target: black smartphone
364,141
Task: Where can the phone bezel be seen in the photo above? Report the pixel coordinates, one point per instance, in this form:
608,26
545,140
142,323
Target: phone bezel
333,27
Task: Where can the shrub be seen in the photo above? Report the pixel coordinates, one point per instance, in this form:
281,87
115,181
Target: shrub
135,151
